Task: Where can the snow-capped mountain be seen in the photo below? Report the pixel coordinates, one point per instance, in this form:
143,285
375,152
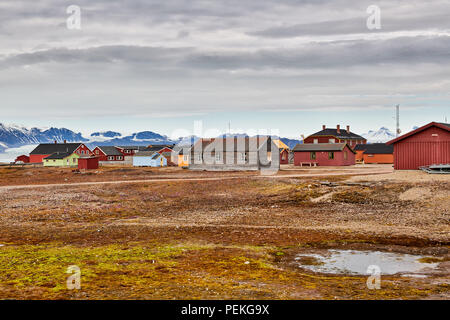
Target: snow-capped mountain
16,136
381,135
106,134
143,138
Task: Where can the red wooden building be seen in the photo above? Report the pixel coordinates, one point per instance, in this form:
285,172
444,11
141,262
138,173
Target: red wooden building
335,135
324,154
87,163
46,149
427,145
284,156
23,158
108,153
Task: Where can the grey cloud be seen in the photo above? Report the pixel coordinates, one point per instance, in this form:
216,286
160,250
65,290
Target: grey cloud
438,21
407,50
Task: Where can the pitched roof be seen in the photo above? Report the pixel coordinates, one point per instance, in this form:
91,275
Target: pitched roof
445,126
360,147
379,148
343,134
50,148
280,144
59,155
110,150
158,147
326,147
183,151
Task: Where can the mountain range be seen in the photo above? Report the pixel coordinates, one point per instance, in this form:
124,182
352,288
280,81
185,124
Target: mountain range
14,136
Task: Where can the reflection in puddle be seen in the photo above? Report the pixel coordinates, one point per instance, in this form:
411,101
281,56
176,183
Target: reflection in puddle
357,262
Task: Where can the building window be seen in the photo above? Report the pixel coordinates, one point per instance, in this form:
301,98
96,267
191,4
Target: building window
110,158
82,151
119,158
331,140
96,151
345,155
185,157
316,141
243,156
330,155
312,156
199,157
74,160
218,156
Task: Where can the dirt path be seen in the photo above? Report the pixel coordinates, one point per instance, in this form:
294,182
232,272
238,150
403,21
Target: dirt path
303,175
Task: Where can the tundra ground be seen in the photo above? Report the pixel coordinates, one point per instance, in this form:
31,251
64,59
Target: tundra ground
215,239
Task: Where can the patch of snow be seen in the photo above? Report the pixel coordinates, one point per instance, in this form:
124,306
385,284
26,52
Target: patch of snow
380,136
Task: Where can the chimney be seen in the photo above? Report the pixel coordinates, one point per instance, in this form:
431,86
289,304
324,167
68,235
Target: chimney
338,127
65,141
348,129
323,127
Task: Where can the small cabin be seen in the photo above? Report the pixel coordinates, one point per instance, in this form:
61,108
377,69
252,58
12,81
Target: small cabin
149,159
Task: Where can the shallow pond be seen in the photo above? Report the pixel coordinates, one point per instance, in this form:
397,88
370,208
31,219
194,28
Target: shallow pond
358,262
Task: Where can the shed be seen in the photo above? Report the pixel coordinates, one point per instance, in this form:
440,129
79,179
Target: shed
284,156
88,163
427,145
324,154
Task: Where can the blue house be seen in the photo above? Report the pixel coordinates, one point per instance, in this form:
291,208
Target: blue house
149,159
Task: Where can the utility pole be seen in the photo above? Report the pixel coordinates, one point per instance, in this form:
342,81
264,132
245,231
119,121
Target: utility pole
397,118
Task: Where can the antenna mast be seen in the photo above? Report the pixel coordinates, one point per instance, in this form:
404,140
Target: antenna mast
397,118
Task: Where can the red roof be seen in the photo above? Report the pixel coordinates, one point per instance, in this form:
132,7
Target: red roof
444,126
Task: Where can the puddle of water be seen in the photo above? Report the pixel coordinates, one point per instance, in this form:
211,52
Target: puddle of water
357,262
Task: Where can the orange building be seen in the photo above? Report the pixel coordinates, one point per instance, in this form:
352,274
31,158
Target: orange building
359,149
378,153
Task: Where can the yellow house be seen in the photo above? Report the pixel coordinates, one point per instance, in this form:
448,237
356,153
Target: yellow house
61,159
183,158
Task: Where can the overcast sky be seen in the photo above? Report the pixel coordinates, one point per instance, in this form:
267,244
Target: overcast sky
291,65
